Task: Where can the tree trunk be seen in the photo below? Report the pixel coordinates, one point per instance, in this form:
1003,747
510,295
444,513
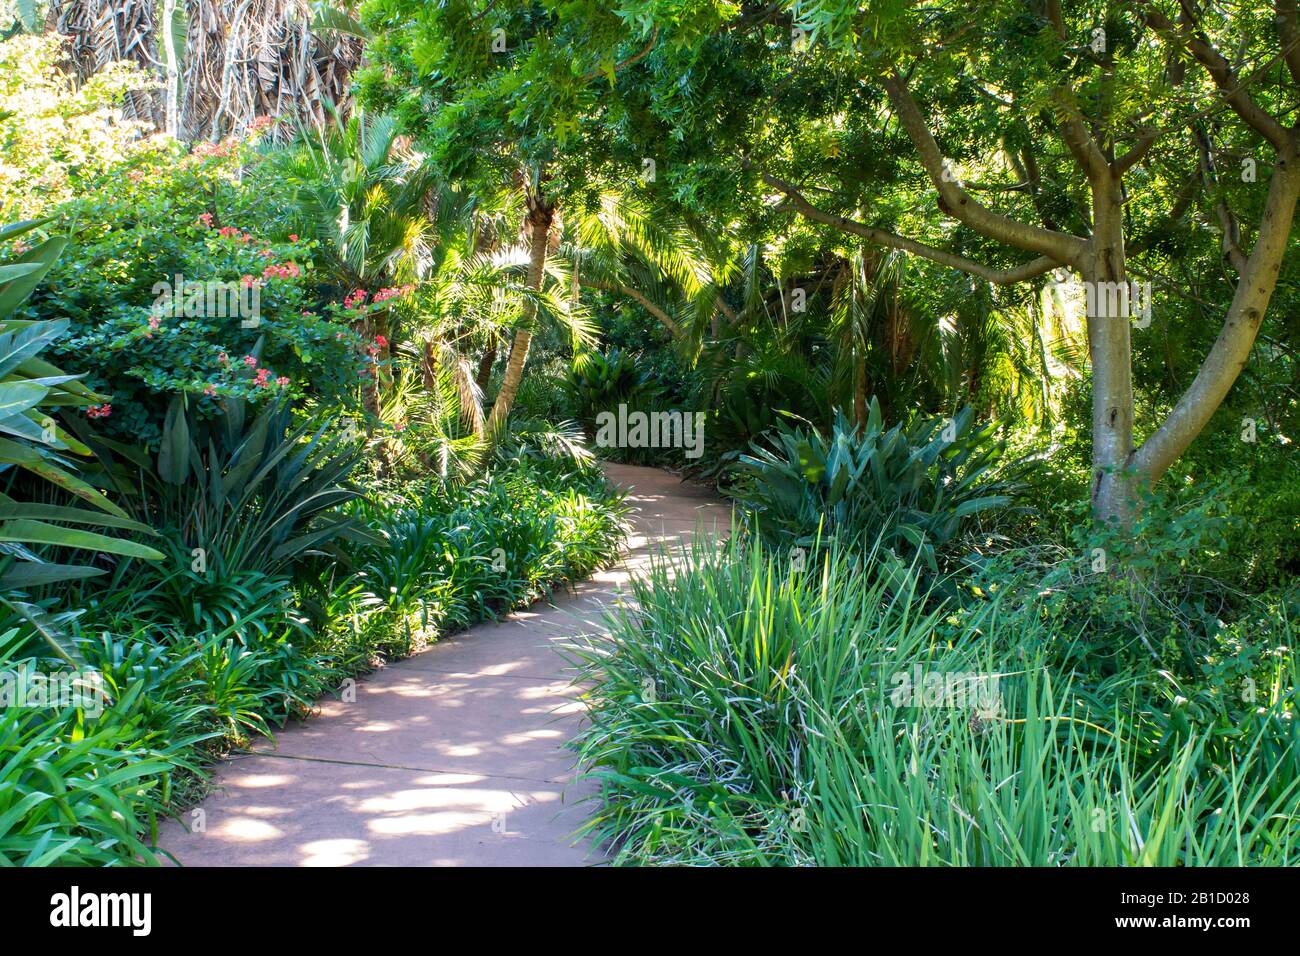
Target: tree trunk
1106,283
171,62
485,364
540,216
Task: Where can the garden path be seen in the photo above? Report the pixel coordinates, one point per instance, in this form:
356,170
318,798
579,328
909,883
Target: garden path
454,756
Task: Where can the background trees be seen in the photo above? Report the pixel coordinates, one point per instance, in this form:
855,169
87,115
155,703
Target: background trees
1020,145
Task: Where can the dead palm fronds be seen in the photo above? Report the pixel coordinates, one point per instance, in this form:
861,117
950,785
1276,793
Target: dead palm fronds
238,60
109,31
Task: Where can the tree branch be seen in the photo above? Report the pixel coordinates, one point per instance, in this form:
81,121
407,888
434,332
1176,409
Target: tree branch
1231,350
1224,77
1020,273
1146,140
1227,221
640,298
1288,31
1062,248
634,58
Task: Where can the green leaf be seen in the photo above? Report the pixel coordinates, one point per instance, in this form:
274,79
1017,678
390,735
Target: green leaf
38,532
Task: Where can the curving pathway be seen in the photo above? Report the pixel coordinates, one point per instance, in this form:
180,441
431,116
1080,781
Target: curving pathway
452,757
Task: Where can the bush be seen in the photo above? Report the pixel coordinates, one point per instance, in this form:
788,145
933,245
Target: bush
912,490
449,556
78,787
746,713
140,339
58,136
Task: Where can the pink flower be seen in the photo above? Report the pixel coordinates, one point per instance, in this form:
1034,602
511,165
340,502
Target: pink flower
204,220
293,237
282,381
215,149
289,270
99,411
392,292
250,361
209,390
249,281
224,359
154,322
354,299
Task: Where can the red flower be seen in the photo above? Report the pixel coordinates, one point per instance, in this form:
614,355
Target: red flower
381,342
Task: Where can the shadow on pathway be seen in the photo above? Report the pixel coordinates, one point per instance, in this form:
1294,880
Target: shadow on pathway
454,756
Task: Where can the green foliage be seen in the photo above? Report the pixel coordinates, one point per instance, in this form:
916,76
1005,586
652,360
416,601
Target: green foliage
447,556
59,136
32,392
169,289
743,713
248,491
362,197
910,490
78,787
602,381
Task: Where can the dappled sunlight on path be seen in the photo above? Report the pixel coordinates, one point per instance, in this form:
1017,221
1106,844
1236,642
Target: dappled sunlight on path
454,756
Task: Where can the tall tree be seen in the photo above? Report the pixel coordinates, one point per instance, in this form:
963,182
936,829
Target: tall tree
459,79
1016,142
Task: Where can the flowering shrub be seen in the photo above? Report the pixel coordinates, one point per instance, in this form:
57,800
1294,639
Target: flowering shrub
170,281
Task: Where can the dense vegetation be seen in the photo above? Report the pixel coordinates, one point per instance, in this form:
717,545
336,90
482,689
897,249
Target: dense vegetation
983,315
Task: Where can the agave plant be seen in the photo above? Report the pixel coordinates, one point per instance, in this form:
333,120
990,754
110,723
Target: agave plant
909,490
247,491
32,392
603,381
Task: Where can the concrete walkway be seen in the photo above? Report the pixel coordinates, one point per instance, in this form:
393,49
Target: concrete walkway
452,757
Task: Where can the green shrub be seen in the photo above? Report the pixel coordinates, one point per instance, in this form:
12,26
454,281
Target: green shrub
166,214
910,490
450,555
83,788
59,135
250,490
603,381
742,712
